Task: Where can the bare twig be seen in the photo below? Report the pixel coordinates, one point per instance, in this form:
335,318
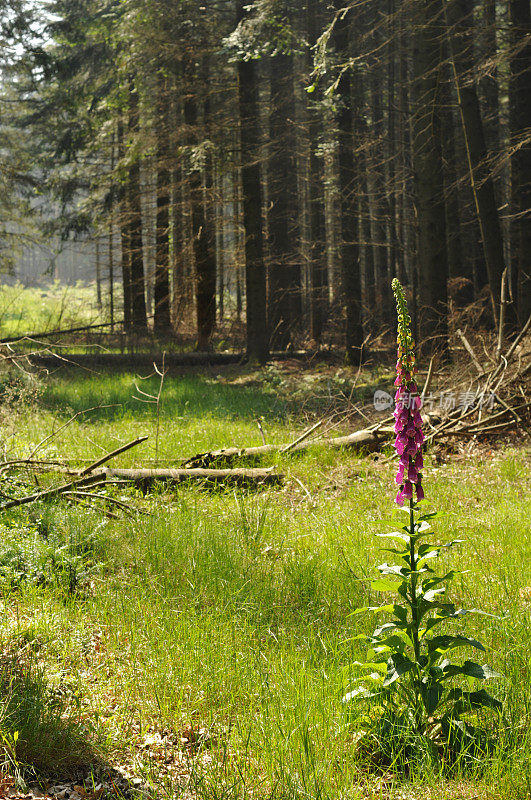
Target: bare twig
66,424
470,351
301,438
108,456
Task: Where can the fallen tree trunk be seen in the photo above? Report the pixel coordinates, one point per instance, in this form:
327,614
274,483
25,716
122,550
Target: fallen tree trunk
230,477
360,440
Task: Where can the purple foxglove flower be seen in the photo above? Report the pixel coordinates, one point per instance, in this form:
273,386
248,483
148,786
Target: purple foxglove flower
412,474
400,475
420,492
419,460
411,430
408,490
400,497
417,419
411,449
419,437
400,443
399,425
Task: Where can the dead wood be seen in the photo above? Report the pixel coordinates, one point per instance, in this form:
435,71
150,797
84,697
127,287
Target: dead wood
231,477
360,440
90,480
108,456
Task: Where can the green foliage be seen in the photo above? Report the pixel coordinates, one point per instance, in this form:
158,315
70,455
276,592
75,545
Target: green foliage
51,547
410,674
40,730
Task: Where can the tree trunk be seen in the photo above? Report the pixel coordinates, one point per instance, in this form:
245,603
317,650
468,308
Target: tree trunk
284,272
348,178
125,240
202,233
461,43
162,315
255,272
138,297
317,249
428,169
520,125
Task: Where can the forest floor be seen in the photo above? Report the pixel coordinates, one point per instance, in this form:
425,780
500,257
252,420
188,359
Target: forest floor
199,646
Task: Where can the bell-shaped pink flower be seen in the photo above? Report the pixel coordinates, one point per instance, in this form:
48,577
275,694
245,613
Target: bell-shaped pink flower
400,497
417,419
400,443
420,492
412,474
408,490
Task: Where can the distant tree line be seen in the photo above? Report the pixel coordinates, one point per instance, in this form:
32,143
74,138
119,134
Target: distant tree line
281,161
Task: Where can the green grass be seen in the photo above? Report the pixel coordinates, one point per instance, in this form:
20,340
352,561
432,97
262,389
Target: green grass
26,310
232,612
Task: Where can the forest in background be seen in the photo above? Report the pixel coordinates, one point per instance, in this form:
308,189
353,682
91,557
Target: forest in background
274,163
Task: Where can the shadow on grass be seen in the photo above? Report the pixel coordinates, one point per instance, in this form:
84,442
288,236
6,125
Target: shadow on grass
42,733
184,396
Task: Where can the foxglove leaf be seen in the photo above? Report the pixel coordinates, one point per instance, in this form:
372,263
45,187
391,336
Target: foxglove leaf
472,670
466,700
448,642
431,696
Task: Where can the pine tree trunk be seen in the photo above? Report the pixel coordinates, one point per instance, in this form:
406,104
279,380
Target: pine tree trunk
162,316
138,297
284,272
125,240
255,272
202,232
317,250
460,19
428,169
520,125
349,188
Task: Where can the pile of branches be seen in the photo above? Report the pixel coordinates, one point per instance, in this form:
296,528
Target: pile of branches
491,398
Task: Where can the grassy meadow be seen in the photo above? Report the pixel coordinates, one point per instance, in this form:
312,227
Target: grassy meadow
203,642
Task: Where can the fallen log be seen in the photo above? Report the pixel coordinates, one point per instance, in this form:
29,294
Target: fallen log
249,478
360,440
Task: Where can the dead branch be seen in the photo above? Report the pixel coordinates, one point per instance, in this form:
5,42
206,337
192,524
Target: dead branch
360,440
230,477
108,456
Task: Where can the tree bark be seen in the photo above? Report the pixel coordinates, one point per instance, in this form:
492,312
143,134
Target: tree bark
461,44
202,233
283,221
317,247
428,169
252,202
520,127
125,239
348,178
138,297
162,316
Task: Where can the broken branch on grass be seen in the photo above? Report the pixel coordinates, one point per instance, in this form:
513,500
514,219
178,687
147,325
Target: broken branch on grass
239,477
91,480
108,456
301,438
359,440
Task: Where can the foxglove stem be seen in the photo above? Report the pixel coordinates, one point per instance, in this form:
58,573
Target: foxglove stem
414,599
